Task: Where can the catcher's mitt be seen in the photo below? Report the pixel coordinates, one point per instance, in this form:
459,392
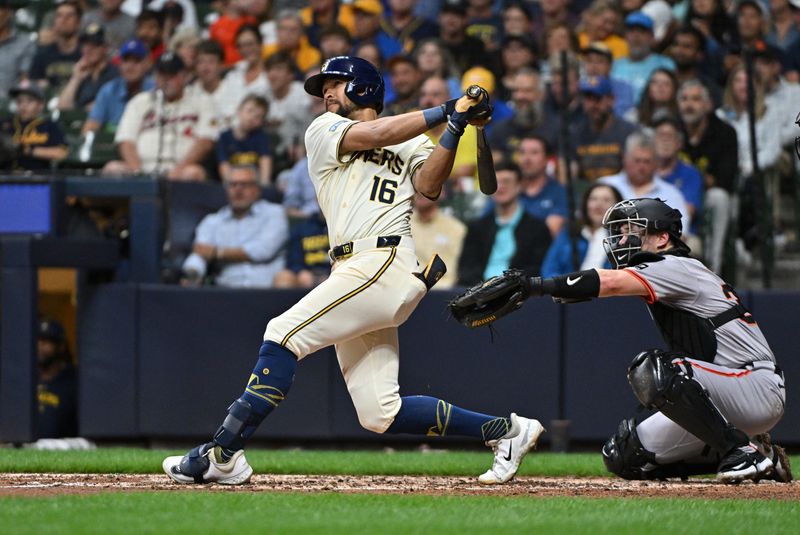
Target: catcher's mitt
491,300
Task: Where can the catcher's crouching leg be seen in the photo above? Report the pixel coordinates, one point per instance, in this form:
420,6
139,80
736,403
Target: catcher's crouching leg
624,455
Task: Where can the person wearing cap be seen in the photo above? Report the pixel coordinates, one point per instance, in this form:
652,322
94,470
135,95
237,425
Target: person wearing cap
16,49
292,41
405,27
638,177
118,25
57,389
38,142
641,61
596,60
91,72
168,131
405,80
779,94
466,51
113,96
483,77
53,63
368,14
321,14
599,140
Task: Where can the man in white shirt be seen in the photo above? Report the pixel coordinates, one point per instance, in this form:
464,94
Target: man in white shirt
638,177
289,105
168,131
244,242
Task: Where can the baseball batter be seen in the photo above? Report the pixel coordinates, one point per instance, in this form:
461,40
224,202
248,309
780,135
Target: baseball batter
365,170
717,391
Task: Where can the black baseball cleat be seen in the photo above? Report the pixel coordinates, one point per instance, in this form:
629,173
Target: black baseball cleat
782,469
742,463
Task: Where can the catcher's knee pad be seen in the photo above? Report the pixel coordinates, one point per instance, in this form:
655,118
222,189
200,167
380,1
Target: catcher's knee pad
653,377
624,455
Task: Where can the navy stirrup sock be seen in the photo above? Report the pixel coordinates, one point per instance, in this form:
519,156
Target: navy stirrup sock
268,385
424,415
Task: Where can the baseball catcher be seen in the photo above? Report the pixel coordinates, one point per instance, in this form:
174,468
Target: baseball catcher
716,388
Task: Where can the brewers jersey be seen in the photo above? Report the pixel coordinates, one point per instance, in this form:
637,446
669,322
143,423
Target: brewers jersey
364,193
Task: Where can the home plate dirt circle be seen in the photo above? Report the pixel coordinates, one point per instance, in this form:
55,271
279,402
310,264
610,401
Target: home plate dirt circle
58,484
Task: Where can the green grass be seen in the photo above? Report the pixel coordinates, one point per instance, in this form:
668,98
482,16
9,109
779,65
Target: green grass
440,462
238,513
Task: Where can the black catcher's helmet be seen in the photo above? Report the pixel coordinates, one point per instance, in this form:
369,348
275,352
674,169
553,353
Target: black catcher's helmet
365,84
632,219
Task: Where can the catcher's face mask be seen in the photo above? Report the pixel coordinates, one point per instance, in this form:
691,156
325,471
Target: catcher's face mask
626,233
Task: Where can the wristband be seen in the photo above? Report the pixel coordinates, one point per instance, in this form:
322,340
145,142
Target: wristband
434,116
449,140
578,285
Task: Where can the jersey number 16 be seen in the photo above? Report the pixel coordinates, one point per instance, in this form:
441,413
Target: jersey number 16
383,190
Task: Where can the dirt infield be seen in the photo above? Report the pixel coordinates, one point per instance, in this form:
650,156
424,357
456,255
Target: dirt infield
60,484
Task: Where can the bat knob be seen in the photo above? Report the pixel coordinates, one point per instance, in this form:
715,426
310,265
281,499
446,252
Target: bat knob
474,91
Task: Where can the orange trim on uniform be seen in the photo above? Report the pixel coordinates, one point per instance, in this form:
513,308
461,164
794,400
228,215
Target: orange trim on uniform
716,372
651,297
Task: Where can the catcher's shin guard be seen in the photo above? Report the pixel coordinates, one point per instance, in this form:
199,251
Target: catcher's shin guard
661,385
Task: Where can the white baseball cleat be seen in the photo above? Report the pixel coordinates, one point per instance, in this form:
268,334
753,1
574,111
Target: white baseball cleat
202,465
509,452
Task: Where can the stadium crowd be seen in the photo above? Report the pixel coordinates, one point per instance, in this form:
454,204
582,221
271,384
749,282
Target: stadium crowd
648,98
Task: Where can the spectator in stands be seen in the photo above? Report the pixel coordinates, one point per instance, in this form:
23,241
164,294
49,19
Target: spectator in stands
711,146
368,15
57,389
484,23
597,199
292,41
554,12
322,13
243,244
751,26
780,95
466,51
555,39
517,19
209,70
597,61
542,196
405,27
179,16
668,142
437,232
334,40
688,52
113,96
526,102
289,107
638,178
783,28
484,78
119,26
247,77
53,63
247,143
405,78
169,130
792,52
37,142
307,260
434,60
299,196
91,72
186,43
659,98
507,237
554,103
225,30
599,140
641,61
16,49
517,53
600,22
150,31
719,29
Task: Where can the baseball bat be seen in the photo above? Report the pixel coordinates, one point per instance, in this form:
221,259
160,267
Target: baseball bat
487,179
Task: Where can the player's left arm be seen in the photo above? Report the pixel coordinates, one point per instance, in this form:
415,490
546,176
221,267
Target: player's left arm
590,283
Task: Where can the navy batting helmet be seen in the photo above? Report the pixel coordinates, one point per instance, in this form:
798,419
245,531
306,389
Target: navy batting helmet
632,219
365,84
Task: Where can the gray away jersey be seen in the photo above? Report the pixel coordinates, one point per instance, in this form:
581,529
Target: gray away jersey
686,284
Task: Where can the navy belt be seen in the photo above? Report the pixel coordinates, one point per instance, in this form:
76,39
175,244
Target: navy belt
346,250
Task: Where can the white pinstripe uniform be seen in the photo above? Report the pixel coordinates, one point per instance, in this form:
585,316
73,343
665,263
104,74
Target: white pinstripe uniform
363,195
